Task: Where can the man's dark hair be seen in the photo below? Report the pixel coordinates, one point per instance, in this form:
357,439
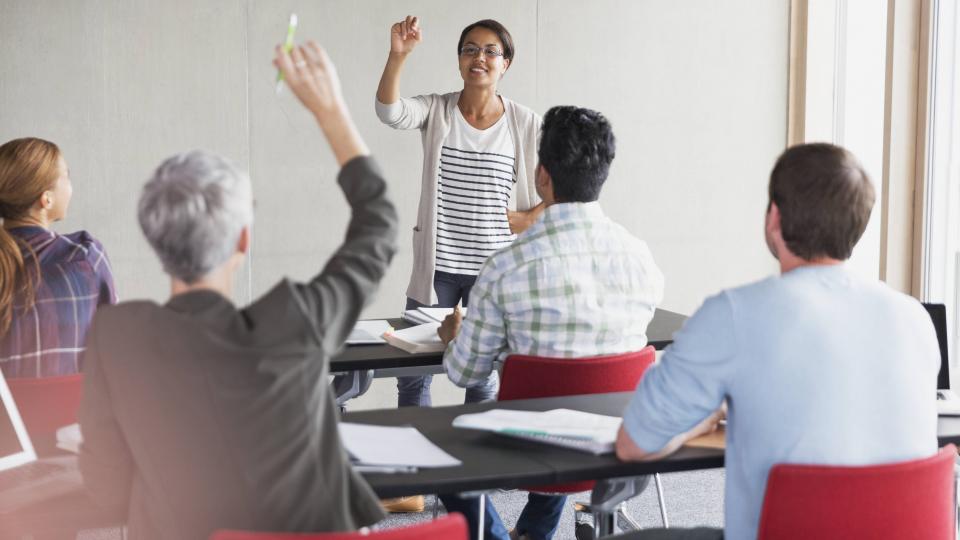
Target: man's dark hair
576,148
825,198
501,31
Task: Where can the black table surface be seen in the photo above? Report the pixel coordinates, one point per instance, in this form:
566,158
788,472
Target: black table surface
493,461
361,357
489,461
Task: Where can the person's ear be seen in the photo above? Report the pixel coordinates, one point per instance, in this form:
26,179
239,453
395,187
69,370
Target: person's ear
541,177
46,200
773,219
506,66
243,243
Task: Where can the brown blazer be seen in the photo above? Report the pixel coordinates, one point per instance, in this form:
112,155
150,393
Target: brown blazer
198,415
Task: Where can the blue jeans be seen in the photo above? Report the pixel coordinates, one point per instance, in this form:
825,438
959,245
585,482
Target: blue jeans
538,521
415,390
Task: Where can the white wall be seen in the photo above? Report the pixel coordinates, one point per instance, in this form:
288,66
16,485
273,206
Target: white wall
696,92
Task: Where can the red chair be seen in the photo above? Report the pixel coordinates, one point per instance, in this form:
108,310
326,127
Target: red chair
449,527
47,403
526,377
912,499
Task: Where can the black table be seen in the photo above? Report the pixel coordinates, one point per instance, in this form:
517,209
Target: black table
363,357
490,461
493,461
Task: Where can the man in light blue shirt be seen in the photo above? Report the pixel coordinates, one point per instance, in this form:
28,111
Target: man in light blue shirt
817,365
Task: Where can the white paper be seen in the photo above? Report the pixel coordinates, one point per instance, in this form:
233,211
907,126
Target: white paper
368,332
69,438
557,422
417,339
440,313
415,316
392,446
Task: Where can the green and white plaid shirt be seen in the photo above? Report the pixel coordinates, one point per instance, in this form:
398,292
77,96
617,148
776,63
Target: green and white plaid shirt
575,284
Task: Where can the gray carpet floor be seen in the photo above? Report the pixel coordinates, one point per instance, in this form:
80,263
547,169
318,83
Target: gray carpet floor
693,499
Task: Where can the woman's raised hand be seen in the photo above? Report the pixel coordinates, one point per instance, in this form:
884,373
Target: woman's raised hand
312,77
405,35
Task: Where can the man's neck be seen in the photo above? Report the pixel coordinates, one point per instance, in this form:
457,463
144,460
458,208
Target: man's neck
218,282
791,262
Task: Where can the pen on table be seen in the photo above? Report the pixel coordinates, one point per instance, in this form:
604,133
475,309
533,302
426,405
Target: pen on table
287,46
386,469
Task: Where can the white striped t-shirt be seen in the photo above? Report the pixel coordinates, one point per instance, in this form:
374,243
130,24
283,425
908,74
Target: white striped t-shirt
477,175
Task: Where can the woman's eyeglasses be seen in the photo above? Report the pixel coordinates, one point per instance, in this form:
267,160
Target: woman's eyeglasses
473,50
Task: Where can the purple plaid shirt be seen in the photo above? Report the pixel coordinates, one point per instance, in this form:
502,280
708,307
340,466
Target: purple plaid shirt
47,339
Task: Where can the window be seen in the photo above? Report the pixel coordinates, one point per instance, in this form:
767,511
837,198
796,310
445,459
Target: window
940,237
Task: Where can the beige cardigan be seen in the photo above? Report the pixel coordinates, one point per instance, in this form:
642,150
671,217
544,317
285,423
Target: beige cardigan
431,114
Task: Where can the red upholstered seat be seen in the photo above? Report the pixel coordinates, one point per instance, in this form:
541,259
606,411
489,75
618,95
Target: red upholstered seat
912,499
47,403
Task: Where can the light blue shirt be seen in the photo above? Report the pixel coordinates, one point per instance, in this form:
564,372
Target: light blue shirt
818,366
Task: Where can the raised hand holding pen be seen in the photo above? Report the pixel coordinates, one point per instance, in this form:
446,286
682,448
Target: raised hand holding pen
312,77
450,326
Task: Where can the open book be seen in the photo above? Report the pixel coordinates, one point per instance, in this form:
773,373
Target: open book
577,430
416,339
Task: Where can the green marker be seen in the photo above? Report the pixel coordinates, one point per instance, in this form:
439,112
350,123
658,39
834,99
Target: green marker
287,46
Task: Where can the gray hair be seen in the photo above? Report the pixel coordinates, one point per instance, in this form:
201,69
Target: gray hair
192,212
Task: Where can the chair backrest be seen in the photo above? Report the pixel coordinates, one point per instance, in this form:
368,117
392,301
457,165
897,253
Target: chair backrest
526,377
449,527
912,499
47,403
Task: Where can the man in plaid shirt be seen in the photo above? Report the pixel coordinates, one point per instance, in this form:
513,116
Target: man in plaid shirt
575,284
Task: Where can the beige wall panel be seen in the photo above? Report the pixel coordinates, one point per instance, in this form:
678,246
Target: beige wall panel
174,80
120,85
52,86
696,92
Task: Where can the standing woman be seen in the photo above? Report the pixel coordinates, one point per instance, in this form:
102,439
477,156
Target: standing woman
479,161
50,284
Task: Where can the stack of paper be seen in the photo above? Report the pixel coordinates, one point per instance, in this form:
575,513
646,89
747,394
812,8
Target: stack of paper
426,315
416,339
368,332
587,432
391,449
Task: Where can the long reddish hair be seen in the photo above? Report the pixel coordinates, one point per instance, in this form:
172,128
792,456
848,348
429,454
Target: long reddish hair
28,168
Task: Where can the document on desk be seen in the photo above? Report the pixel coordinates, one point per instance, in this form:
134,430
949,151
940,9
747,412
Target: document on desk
416,339
392,449
369,333
577,430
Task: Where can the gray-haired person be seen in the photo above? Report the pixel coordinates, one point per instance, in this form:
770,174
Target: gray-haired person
199,415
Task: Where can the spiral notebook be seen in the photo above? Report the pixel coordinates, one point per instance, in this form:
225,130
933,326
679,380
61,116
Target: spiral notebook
576,430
